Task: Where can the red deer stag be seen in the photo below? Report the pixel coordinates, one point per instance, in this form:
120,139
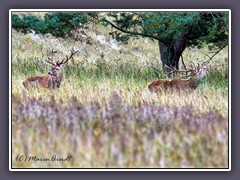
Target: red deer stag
54,77
195,76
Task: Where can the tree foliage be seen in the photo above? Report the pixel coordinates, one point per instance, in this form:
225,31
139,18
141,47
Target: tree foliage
59,24
174,30
199,28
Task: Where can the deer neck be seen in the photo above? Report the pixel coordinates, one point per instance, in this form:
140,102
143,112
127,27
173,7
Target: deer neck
59,79
56,81
195,81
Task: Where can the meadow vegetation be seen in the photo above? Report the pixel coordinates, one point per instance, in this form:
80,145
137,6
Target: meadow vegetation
104,115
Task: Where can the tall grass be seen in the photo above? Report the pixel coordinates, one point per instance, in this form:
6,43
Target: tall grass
104,115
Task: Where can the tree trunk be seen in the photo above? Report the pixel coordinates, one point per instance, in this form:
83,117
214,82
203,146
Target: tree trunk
170,55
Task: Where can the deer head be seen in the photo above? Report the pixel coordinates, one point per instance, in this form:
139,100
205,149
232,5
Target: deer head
56,70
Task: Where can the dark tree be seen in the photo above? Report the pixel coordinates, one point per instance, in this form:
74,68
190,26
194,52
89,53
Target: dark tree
174,31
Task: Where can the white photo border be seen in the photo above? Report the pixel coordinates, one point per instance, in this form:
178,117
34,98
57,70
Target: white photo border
117,169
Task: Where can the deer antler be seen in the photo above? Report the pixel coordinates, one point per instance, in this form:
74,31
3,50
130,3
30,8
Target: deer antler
205,63
193,66
50,59
73,52
175,70
169,67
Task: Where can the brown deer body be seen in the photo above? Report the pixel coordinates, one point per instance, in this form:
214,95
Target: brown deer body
163,85
53,79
